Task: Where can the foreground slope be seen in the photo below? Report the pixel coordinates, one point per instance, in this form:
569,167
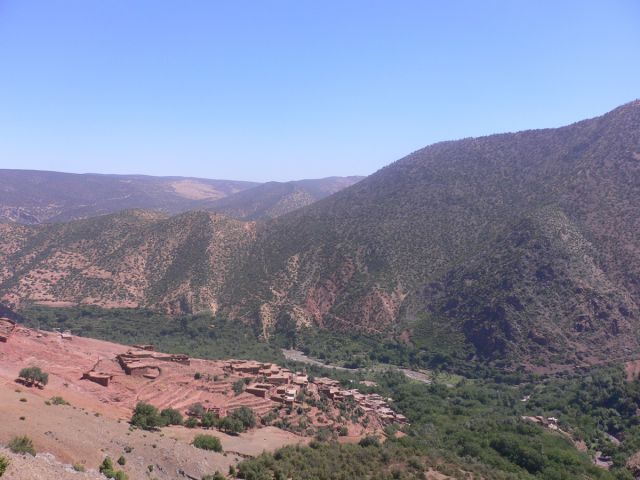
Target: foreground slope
495,245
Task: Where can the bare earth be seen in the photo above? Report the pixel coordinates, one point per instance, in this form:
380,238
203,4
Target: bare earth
95,424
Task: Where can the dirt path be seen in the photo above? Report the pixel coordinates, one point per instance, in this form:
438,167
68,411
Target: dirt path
298,356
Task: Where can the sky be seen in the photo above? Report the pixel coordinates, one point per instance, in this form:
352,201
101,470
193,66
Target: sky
289,89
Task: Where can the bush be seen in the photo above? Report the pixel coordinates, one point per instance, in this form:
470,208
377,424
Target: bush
22,444
369,441
191,422
207,442
238,386
106,468
34,376
4,464
79,467
171,416
122,461
146,416
215,476
58,401
196,410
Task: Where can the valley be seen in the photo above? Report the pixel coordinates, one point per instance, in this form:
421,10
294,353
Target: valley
494,248
462,313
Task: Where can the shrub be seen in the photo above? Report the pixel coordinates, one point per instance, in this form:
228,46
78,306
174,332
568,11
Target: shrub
146,416
4,464
238,386
79,467
344,431
34,376
196,410
58,401
197,376
191,422
171,416
215,476
323,434
122,461
22,444
207,442
106,468
369,441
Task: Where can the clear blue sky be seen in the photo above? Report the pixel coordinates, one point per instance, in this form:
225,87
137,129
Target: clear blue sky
288,89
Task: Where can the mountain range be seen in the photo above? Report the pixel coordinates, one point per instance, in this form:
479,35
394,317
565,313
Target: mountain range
521,246
33,197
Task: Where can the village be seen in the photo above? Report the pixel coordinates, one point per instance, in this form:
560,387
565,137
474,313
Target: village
282,385
140,373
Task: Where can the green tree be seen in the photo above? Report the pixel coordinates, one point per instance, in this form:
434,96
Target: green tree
171,416
231,425
209,420
191,422
146,416
245,415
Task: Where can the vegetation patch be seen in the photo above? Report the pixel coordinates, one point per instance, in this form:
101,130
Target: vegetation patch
207,442
22,445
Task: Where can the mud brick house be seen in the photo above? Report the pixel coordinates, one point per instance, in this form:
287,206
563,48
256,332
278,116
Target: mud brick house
98,377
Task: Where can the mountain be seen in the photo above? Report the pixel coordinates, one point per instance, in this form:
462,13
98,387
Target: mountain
520,246
32,197
273,199
496,246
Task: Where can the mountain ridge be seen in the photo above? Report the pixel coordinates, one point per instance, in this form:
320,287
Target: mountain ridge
38,196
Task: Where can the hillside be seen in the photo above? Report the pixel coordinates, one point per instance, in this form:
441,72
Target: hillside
521,246
31,197
132,258
273,199
496,246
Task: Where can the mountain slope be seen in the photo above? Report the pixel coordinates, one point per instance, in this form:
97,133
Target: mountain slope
363,258
273,199
128,259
